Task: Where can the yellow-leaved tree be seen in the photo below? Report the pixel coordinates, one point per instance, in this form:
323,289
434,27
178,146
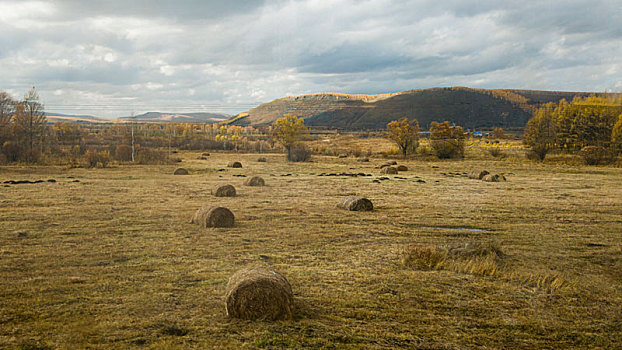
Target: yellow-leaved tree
404,134
289,131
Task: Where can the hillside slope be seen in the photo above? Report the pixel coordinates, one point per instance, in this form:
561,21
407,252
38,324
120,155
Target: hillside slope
471,108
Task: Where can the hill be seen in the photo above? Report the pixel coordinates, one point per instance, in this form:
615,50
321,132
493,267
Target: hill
158,117
59,117
471,108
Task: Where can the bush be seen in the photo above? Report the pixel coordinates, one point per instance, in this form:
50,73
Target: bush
150,156
91,158
11,150
497,152
448,148
593,155
123,153
103,158
299,153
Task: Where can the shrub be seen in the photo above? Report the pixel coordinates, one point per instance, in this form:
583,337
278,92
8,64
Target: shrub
11,150
497,152
593,155
448,148
299,153
150,156
91,158
123,153
103,158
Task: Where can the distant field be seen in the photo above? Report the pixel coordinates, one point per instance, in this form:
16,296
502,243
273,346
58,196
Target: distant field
107,258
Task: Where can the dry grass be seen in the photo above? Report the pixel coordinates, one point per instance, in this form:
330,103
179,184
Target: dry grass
112,261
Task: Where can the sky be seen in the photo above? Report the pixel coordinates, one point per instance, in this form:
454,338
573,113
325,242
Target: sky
114,58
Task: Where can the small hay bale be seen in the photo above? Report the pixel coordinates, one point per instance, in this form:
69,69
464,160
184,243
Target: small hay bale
343,155
224,191
389,170
356,204
213,217
478,174
261,159
205,154
402,168
363,159
259,293
181,171
234,165
493,178
392,162
255,181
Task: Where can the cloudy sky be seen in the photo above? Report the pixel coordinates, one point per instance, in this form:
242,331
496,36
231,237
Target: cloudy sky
112,58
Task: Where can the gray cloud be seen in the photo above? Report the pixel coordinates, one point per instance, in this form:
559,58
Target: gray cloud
108,58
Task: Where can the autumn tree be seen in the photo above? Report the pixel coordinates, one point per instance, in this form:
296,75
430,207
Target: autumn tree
540,133
30,121
447,140
616,135
7,109
404,134
289,131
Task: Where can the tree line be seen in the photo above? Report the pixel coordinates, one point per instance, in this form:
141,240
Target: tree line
23,126
590,126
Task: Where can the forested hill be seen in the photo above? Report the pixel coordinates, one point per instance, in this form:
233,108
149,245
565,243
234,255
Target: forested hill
470,108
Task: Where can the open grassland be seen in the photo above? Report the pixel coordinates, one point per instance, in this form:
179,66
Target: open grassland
112,261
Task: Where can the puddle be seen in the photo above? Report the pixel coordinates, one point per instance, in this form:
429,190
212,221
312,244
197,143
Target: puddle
470,229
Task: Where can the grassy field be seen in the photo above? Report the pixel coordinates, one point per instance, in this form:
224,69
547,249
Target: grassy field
107,258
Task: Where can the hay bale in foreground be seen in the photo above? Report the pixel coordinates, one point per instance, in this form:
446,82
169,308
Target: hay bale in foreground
234,165
356,204
261,159
213,217
493,178
259,293
389,170
478,174
402,168
254,181
224,191
181,171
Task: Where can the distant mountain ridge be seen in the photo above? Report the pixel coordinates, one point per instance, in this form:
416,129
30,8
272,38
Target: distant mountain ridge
149,117
470,108
159,117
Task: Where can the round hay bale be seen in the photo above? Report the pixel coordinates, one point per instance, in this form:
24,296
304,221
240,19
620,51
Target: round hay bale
342,155
235,165
259,293
493,178
181,171
389,170
205,154
363,159
402,168
213,217
261,159
356,204
254,181
392,162
224,191
478,174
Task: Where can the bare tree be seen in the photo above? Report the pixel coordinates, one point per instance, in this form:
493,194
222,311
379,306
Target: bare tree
7,109
30,120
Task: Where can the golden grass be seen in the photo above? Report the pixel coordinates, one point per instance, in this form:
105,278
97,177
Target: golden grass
112,261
